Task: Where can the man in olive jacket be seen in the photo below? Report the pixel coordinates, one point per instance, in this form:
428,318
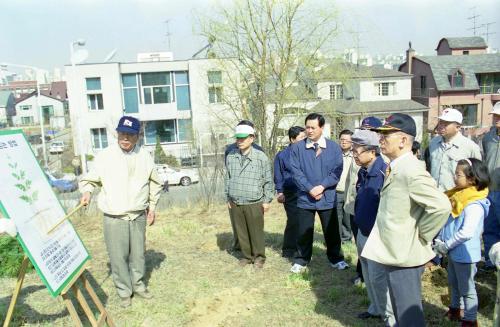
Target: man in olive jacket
411,212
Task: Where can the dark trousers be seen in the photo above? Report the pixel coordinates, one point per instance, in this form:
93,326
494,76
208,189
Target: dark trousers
249,225
330,225
235,244
292,224
354,229
344,219
405,289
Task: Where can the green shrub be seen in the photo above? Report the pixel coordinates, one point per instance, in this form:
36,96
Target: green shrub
11,257
162,158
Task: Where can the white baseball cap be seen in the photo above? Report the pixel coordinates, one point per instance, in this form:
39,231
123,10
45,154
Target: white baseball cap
451,115
242,131
496,109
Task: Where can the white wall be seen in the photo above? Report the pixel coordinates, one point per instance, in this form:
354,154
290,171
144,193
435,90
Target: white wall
368,91
55,120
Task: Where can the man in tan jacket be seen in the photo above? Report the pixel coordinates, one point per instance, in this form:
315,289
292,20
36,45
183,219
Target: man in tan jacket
411,212
130,189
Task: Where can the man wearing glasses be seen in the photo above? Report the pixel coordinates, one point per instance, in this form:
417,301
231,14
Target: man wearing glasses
345,143
411,212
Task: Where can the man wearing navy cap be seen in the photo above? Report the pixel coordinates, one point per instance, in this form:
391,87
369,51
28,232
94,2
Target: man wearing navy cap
411,212
130,189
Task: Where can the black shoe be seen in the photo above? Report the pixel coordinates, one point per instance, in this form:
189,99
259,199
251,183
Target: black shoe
367,315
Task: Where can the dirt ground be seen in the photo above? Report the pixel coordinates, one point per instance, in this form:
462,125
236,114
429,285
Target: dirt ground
197,282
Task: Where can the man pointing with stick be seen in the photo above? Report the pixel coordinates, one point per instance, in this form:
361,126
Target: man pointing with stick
130,189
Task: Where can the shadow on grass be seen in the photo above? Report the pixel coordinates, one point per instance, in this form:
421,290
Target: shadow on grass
24,313
154,259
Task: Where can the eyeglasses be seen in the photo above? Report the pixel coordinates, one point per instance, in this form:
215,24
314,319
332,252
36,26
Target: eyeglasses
357,154
384,136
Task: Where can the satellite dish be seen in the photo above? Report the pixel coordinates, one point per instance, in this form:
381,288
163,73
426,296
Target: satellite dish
110,55
79,56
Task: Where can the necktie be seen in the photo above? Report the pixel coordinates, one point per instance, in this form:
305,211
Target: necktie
387,170
317,149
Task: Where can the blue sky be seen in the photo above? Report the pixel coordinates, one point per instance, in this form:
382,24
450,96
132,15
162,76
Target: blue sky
38,33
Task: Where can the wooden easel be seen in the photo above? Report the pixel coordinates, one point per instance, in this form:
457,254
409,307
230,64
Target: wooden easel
103,317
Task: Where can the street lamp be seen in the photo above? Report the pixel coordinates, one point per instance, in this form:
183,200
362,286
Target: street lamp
76,58
40,111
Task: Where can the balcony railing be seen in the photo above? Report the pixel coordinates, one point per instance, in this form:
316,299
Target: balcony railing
489,89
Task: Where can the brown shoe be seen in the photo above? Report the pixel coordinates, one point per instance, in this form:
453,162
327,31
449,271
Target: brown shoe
454,314
259,263
125,302
145,295
243,262
468,323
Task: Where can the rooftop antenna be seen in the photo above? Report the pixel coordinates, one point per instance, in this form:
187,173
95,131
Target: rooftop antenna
168,34
473,18
488,33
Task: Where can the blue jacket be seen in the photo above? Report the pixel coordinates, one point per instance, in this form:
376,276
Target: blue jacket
368,188
470,250
310,171
283,180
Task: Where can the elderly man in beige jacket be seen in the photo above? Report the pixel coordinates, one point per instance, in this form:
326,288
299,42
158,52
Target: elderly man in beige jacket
411,212
130,189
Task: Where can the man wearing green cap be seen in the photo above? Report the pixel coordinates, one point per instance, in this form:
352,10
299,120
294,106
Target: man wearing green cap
249,189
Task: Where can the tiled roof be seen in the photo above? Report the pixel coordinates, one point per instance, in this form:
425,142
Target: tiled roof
356,107
344,70
442,66
465,42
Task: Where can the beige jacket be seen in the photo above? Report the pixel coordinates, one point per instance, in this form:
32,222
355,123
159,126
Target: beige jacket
129,181
411,212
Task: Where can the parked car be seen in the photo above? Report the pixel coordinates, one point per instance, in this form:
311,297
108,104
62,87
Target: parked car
182,176
61,185
56,147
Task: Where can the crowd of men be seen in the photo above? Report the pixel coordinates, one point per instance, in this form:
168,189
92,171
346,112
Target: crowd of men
370,187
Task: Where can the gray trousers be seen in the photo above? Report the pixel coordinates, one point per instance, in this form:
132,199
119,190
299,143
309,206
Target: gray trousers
462,287
125,242
405,289
344,219
376,285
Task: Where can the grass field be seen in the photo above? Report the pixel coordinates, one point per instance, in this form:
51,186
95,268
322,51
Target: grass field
196,282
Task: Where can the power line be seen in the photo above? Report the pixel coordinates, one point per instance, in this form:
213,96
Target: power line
473,18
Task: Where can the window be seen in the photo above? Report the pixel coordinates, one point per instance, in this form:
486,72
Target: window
182,91
336,92
27,120
465,52
156,87
456,78
93,84
163,129
94,102
215,87
423,82
99,138
185,130
385,89
130,93
25,107
469,112
94,97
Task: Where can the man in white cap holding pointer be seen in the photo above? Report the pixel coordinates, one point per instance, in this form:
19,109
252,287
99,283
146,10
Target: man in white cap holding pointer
449,147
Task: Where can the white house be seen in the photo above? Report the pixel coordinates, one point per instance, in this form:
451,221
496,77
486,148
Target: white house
28,113
176,101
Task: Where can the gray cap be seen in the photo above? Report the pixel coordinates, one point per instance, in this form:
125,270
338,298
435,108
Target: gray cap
365,137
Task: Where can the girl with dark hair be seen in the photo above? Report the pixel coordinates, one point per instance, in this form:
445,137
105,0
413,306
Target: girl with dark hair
460,238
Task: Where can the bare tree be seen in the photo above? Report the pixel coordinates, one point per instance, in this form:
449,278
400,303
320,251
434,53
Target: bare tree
270,49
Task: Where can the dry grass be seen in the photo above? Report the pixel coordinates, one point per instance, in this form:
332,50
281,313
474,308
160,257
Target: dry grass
196,282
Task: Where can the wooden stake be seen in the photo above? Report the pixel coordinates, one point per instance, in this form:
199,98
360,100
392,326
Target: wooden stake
17,290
